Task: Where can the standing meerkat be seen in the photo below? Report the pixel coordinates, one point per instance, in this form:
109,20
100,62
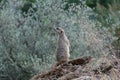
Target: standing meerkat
62,53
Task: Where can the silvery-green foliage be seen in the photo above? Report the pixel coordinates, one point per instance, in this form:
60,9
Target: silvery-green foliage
28,41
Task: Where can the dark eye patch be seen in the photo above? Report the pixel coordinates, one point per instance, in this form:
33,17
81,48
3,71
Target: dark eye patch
57,28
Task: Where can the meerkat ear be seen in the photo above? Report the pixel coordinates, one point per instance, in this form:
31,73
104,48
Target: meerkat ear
61,31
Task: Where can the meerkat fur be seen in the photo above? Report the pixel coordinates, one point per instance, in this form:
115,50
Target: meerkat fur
62,53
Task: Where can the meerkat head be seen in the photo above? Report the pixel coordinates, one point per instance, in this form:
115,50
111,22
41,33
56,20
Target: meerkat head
59,30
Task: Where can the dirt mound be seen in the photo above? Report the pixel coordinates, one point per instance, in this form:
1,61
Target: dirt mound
82,69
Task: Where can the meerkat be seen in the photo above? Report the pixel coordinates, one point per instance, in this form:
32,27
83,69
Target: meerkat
62,53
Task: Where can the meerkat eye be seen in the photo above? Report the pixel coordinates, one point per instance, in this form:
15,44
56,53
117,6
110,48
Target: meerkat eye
57,28
61,31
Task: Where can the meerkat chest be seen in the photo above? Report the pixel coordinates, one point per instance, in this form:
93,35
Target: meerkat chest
62,43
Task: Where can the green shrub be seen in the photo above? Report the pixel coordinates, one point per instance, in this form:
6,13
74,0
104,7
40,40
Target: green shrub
28,44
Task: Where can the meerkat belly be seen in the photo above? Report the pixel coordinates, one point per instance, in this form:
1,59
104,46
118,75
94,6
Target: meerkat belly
62,53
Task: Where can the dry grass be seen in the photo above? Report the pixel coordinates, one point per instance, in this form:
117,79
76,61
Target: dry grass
105,68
